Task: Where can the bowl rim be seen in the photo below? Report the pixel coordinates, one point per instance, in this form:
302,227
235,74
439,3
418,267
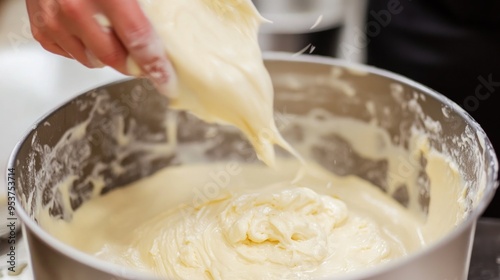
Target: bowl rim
122,271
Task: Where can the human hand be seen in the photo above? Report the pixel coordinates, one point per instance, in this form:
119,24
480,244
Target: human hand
101,32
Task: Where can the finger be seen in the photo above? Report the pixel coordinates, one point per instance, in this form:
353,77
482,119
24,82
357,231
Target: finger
54,48
74,47
47,43
37,16
103,46
42,14
52,35
50,45
93,60
139,38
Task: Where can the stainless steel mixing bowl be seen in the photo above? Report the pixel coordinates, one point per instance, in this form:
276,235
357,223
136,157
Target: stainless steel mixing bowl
74,138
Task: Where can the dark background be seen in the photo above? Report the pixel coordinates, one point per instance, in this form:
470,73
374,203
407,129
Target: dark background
450,46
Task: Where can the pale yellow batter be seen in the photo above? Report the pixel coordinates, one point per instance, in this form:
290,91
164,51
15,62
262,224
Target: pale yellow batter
248,221
243,221
235,220
220,73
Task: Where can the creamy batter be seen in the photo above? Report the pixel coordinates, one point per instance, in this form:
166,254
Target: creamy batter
220,73
243,221
231,220
238,220
247,221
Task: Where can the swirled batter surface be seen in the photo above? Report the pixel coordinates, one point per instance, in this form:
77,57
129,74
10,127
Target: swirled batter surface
243,221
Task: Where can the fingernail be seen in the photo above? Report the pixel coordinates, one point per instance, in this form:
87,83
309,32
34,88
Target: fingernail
132,67
160,70
93,60
163,76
